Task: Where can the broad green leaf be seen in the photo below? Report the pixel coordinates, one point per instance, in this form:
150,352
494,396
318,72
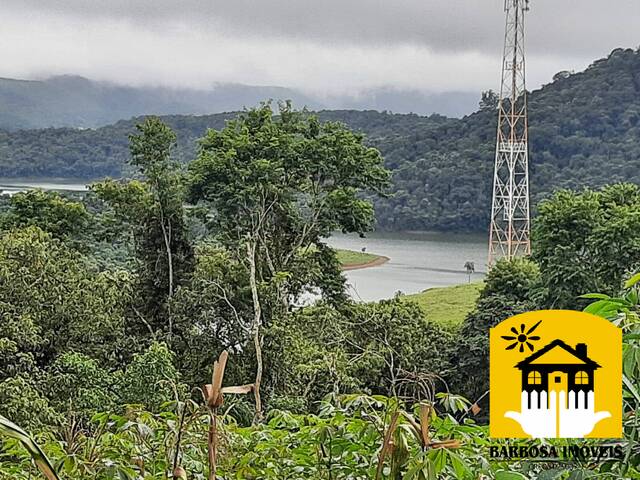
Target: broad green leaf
459,466
628,360
439,460
632,281
603,308
505,475
11,430
596,296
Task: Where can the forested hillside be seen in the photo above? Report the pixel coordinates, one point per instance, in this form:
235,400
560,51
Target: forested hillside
583,127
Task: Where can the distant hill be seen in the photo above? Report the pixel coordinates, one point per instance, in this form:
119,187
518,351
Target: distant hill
584,129
71,101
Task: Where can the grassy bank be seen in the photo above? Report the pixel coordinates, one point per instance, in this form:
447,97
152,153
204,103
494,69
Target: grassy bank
448,306
351,259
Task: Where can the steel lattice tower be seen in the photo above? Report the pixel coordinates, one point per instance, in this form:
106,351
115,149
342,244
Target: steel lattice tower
510,222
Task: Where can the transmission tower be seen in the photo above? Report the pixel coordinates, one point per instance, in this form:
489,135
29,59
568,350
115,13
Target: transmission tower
510,222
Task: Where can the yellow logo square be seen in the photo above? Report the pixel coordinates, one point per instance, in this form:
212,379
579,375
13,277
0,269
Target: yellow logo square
556,374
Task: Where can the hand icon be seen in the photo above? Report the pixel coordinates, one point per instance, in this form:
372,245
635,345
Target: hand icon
576,422
539,420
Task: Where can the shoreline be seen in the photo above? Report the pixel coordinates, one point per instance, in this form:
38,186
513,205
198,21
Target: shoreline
376,262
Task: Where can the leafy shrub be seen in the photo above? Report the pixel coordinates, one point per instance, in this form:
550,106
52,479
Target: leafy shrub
76,385
151,379
22,402
380,348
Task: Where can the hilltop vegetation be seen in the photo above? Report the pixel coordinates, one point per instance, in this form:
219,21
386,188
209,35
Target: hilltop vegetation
584,132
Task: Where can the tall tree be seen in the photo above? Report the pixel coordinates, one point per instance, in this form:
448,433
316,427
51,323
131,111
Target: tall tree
153,209
277,185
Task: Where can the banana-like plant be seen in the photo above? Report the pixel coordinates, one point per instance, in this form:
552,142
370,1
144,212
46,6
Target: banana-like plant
11,430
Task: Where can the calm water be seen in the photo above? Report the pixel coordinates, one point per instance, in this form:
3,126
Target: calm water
10,187
417,261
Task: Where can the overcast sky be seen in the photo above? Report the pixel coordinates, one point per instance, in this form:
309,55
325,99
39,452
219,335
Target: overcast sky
320,46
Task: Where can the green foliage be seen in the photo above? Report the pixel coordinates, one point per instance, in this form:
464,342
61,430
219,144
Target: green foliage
11,430
363,347
624,311
77,386
280,184
151,379
51,212
587,242
211,314
79,336
22,401
517,278
343,440
49,292
153,210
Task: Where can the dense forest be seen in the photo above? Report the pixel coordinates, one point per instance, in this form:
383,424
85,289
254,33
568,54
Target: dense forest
583,128
116,304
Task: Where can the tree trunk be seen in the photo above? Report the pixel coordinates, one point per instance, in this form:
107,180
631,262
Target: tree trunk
166,236
257,326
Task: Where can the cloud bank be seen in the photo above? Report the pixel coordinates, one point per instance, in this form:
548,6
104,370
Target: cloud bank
329,47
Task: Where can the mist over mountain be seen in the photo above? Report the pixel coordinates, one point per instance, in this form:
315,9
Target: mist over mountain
72,101
449,104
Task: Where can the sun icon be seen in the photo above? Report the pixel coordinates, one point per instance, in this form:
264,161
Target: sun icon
522,338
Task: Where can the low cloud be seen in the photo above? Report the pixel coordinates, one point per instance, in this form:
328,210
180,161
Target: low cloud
321,47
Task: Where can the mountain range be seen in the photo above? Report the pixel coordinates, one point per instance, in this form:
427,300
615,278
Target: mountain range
72,101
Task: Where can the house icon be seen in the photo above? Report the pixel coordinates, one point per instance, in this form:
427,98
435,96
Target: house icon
558,367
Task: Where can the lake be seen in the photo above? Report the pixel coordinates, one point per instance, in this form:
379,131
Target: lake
417,261
10,187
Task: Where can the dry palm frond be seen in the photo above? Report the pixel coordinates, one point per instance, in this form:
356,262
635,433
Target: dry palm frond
214,398
387,445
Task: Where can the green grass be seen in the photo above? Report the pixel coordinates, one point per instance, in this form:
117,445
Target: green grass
349,257
448,306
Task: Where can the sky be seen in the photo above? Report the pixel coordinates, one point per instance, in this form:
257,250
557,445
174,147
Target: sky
324,47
